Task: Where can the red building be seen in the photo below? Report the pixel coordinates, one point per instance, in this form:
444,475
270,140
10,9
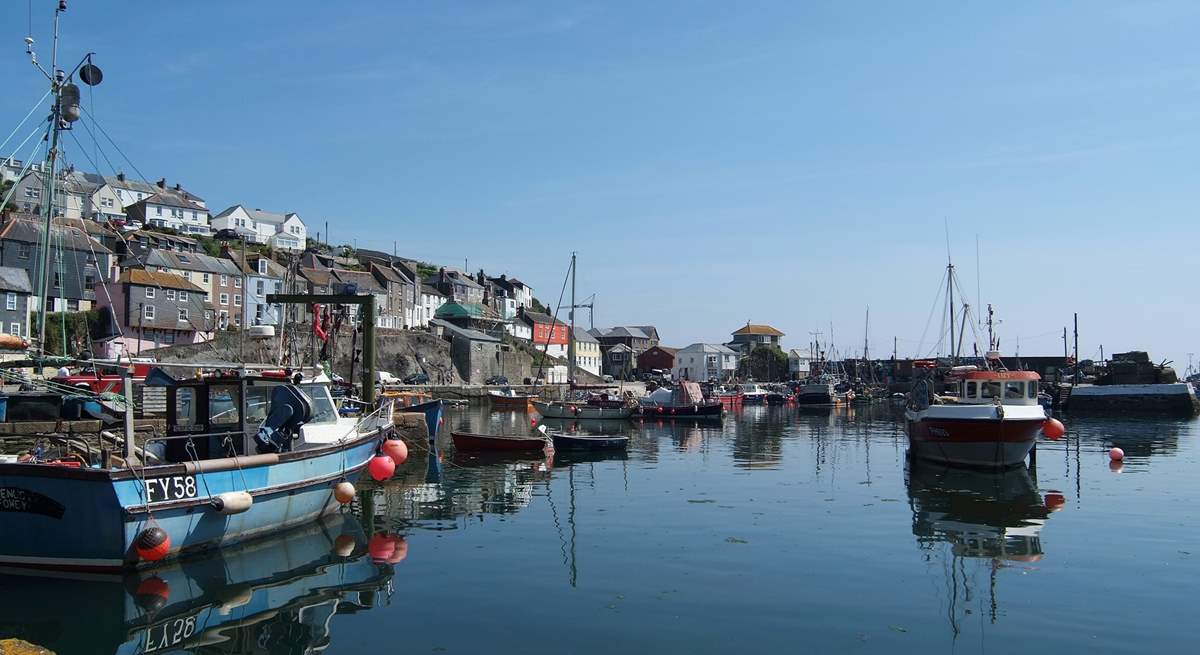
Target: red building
548,332
660,357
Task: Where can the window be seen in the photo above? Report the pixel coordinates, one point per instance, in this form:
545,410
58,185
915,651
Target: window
183,295
223,404
224,280
187,275
185,406
205,278
157,210
149,292
183,314
10,301
72,305
972,389
1014,390
262,267
170,294
224,299
237,320
1033,389
207,316
14,329
207,297
148,312
237,283
106,202
33,192
989,389
24,249
237,300
57,279
260,287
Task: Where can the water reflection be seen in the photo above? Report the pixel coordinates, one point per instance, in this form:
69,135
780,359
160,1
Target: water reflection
996,515
276,595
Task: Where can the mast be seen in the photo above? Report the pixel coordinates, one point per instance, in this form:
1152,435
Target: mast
950,290
57,78
571,336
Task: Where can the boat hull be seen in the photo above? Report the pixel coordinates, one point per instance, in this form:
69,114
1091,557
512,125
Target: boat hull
502,402
580,411
983,443
465,441
709,410
88,520
567,442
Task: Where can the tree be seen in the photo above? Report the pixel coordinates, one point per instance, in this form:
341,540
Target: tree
5,188
765,363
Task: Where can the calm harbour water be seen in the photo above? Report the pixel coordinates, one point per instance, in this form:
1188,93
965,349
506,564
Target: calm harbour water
779,530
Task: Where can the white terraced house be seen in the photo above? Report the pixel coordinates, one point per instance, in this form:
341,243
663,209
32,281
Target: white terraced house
279,231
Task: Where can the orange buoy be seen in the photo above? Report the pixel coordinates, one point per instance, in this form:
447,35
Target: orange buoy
381,547
344,545
153,544
397,450
381,468
1116,454
1053,428
152,594
343,492
1054,501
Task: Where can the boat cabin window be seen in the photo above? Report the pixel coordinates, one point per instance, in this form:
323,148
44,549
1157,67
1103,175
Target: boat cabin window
185,406
989,389
972,390
1014,390
223,405
258,403
322,405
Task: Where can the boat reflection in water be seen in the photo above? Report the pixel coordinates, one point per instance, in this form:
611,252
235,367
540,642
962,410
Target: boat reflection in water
994,517
276,595
997,515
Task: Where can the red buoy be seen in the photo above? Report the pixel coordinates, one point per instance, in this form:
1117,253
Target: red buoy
1053,428
152,594
381,547
381,468
1116,454
152,544
1054,501
400,550
396,449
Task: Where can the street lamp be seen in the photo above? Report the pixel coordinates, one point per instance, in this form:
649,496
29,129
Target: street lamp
229,234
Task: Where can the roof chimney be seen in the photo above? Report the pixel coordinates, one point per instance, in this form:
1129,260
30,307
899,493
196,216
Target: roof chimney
178,186
120,176
162,183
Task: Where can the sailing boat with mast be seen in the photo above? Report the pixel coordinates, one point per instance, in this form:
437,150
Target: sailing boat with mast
991,417
577,408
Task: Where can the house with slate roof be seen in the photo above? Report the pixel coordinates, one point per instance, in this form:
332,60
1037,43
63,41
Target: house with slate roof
219,280
154,309
703,362
280,231
15,294
170,211
78,261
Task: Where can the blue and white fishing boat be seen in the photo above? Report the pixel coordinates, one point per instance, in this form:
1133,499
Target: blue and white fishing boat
243,455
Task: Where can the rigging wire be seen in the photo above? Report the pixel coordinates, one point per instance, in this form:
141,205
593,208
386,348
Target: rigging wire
937,298
114,145
18,125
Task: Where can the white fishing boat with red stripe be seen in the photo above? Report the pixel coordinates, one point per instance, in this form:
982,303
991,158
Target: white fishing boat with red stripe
991,419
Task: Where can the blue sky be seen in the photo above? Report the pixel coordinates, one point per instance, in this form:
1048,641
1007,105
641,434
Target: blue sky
782,162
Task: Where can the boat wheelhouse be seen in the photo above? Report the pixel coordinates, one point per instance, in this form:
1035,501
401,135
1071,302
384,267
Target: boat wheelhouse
992,419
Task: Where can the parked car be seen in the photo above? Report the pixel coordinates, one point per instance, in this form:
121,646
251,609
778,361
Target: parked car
608,378
417,378
496,379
